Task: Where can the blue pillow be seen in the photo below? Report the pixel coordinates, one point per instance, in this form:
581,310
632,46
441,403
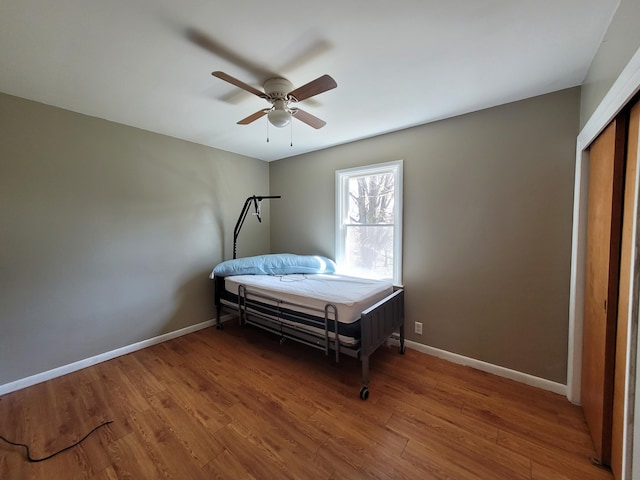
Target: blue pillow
275,264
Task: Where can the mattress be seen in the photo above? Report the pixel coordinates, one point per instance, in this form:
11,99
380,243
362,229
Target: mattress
299,300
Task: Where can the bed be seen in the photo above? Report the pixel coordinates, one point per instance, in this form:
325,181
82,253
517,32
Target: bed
302,298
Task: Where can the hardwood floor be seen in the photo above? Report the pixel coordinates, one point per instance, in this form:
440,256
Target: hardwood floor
235,404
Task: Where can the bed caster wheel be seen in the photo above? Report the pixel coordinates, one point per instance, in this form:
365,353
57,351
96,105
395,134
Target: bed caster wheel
218,326
364,393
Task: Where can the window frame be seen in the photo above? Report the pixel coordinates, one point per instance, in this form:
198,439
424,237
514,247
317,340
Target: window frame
342,204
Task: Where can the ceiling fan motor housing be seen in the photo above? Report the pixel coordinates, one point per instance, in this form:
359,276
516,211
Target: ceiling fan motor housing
277,88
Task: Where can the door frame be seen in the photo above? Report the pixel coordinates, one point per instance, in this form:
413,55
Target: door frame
621,92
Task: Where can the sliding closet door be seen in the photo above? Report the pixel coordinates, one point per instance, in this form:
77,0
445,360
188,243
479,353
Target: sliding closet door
604,217
619,394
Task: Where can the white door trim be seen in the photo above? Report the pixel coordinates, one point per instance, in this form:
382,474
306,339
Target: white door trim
621,92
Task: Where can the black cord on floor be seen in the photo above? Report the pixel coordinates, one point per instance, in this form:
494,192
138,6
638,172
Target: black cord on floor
59,451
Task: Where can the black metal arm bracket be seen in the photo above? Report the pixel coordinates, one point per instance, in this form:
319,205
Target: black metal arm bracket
256,200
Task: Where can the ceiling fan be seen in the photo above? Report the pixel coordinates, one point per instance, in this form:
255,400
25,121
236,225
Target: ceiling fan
280,93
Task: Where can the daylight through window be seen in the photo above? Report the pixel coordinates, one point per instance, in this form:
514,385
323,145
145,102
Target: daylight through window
369,221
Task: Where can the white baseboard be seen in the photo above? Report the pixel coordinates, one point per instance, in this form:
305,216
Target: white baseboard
452,357
103,357
490,368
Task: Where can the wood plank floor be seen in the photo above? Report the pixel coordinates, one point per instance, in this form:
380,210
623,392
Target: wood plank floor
236,404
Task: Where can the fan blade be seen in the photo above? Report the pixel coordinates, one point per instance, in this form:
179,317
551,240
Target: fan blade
239,84
253,117
219,49
307,118
314,87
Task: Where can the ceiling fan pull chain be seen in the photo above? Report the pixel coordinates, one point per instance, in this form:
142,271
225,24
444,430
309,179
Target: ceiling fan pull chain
267,130
291,132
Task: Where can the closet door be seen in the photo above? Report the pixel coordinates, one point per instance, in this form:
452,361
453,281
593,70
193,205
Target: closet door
619,393
604,217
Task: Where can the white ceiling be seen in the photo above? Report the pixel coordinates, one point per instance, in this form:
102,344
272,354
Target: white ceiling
148,63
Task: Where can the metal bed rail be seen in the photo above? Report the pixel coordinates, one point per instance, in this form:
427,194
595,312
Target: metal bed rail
254,310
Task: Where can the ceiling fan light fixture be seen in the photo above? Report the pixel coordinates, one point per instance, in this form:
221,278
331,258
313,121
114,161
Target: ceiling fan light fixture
279,117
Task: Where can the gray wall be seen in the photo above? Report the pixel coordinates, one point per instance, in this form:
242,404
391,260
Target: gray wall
108,233
487,226
620,43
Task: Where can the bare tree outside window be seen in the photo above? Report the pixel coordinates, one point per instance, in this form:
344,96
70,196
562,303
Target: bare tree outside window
370,228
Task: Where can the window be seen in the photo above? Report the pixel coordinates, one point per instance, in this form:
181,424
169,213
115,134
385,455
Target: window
369,221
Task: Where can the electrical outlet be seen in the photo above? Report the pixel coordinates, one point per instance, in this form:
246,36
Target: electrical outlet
418,328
